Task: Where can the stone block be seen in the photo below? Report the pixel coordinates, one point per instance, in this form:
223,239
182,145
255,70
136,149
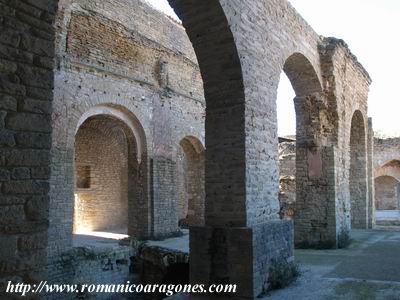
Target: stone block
33,140
32,242
12,214
7,139
4,175
239,256
20,173
36,106
40,173
28,158
26,187
37,208
29,122
8,246
8,103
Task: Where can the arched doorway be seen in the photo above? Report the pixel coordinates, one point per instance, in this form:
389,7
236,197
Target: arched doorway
304,163
358,172
191,156
102,152
387,193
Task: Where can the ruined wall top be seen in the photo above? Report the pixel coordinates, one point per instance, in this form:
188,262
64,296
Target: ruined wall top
386,150
331,43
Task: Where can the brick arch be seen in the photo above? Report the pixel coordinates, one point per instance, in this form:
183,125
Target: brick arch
358,171
125,116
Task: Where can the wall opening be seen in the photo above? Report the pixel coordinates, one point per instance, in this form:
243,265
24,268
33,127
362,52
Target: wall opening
101,174
287,147
83,177
387,193
358,172
304,152
190,183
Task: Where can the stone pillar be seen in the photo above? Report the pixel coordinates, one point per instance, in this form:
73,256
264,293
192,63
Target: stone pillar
370,175
139,206
358,181
195,186
315,217
26,83
163,197
243,238
315,213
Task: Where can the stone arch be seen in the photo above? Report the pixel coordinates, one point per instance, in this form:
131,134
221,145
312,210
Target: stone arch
312,218
389,168
102,164
191,176
302,75
387,193
136,131
137,208
210,33
358,171
62,191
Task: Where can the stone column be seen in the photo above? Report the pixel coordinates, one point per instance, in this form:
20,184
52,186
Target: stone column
163,196
243,238
26,83
370,175
315,217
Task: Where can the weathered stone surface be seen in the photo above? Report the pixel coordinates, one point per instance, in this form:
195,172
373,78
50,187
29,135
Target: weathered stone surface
26,187
28,122
40,173
20,173
7,139
32,242
4,175
8,103
28,157
36,208
11,214
8,249
33,140
108,55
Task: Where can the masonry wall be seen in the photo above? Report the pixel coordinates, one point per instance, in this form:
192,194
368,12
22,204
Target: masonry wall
348,83
86,265
387,193
386,173
26,82
241,54
127,56
385,151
